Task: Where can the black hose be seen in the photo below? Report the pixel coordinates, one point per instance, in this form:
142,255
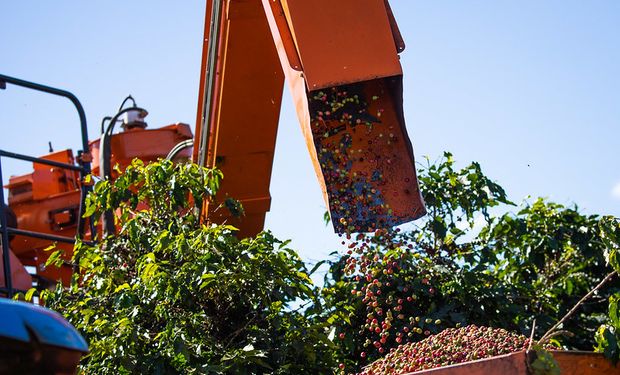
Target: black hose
105,167
107,118
129,97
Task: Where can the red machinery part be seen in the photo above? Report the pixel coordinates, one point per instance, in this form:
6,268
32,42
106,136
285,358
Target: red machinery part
47,200
20,278
145,144
570,363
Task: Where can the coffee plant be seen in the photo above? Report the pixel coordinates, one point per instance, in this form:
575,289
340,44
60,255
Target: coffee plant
171,294
470,261
168,294
608,334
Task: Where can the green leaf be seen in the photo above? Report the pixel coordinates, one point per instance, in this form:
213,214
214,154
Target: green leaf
122,287
544,363
316,266
90,209
55,259
608,343
614,313
29,294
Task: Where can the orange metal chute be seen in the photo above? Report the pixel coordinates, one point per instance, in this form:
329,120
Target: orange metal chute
348,96
339,42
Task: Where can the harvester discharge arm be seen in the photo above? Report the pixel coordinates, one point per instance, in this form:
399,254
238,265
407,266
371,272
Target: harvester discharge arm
340,59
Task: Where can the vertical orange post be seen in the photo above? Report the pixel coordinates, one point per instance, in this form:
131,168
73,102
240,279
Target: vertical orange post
245,100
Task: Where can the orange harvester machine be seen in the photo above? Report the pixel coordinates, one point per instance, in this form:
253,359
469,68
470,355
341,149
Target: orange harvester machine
340,59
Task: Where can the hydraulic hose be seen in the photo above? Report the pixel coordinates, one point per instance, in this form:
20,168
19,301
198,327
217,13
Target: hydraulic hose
129,97
105,156
107,118
179,147
105,152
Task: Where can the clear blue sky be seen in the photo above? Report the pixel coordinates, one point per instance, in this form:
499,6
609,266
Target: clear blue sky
530,89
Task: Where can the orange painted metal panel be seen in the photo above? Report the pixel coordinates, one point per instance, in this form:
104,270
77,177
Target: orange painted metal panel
248,95
584,363
145,144
509,364
38,216
398,38
20,188
45,201
201,89
343,41
50,180
570,362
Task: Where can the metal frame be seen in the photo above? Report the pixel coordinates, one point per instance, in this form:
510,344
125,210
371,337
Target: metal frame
83,168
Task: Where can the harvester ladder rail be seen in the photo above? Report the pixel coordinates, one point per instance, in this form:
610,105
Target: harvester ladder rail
52,163
84,156
211,67
84,170
45,236
54,91
6,259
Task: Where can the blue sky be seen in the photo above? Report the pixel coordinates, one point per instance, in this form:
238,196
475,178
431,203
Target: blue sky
530,89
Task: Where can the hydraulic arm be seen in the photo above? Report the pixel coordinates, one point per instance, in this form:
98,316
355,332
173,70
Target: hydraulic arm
341,62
